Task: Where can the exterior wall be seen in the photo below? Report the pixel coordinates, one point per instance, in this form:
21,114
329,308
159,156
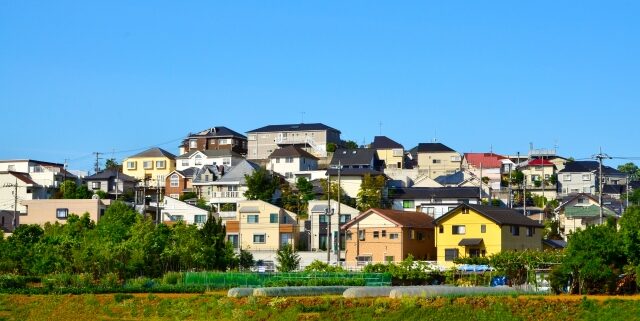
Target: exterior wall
176,191
272,231
213,143
391,159
43,211
522,241
577,183
24,193
261,145
157,175
538,171
318,229
350,184
184,163
280,165
434,210
449,162
174,208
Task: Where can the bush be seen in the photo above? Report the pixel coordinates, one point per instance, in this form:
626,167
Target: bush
10,281
173,278
110,280
120,297
319,266
316,282
141,282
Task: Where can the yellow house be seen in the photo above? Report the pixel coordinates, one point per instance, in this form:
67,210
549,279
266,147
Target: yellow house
390,153
152,165
265,227
478,230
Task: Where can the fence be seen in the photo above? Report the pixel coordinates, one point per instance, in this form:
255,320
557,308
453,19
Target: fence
219,280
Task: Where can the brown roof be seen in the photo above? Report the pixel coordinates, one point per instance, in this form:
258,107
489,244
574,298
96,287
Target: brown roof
24,177
400,218
291,151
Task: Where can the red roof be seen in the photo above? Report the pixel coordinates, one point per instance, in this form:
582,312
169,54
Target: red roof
488,160
539,162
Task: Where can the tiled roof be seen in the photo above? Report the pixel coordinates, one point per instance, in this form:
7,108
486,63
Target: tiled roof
486,160
108,174
154,152
588,166
433,148
401,218
433,192
357,156
291,151
500,215
292,128
539,162
384,142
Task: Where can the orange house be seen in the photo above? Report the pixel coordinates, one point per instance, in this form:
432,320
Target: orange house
381,235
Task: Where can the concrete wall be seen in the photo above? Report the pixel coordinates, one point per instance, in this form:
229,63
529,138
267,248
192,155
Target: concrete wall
43,211
449,162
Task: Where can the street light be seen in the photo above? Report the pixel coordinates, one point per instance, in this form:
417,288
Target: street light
329,212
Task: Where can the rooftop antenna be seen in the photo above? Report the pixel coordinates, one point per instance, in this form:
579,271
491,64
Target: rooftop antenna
380,125
435,135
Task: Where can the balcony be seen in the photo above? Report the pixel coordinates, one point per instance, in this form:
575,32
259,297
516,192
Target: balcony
226,197
291,140
227,215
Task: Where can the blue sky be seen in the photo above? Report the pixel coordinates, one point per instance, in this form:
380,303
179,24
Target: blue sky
84,76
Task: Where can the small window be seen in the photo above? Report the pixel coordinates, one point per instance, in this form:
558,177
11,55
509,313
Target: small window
131,165
193,143
198,160
199,219
273,218
95,185
147,164
531,231
322,218
344,218
483,228
408,204
174,180
450,254
586,177
458,229
62,213
185,162
177,218
566,177
376,234
515,230
420,236
393,236
431,211
252,219
384,233
437,161
233,239
259,238
161,164
440,229
277,160
361,234
412,235
289,159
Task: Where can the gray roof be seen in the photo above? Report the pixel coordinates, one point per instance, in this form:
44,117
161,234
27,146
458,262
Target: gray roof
319,208
384,142
358,156
211,153
470,242
354,172
433,192
218,131
588,166
451,179
237,173
108,174
500,215
433,148
291,151
556,244
292,128
154,152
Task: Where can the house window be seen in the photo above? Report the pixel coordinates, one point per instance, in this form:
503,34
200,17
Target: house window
288,175
437,161
361,234
161,164
531,231
322,241
384,233
95,185
174,180
450,254
277,160
285,239
483,228
515,230
566,177
131,165
440,229
252,219
273,218
177,218
147,164
259,238
289,159
233,239
198,160
363,259
408,204
582,201
199,219
185,162
389,259
586,177
193,143
62,213
393,236
455,158
206,177
322,218
225,141
344,218
457,229
376,234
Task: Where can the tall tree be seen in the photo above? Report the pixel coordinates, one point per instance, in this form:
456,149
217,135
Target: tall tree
261,185
370,194
630,169
350,144
216,253
287,258
305,194
111,163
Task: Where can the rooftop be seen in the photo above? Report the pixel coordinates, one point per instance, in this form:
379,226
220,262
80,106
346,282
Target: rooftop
291,151
154,152
218,131
400,218
357,156
434,148
499,215
486,160
384,142
292,128
433,192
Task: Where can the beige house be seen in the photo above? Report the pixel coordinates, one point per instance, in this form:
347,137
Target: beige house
538,175
437,159
265,227
58,210
311,137
390,153
379,235
578,211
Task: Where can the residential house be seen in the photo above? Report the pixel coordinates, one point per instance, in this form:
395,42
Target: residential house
436,159
582,177
318,223
174,210
179,182
35,179
352,165
478,230
580,210
489,165
264,227
434,201
58,210
112,182
390,153
539,177
292,159
215,138
380,235
314,138
225,192
151,166
6,220
198,158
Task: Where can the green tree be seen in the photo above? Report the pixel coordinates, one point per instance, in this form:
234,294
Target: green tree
517,177
630,169
261,185
216,253
245,259
188,195
287,259
305,194
350,144
630,234
370,194
331,147
289,198
111,163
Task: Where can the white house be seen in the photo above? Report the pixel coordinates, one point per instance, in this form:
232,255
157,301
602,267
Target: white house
292,159
197,158
174,210
433,201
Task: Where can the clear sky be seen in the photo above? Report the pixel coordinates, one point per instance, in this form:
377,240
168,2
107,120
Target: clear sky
84,76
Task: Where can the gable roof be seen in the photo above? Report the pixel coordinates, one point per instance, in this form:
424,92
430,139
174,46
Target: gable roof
612,204
433,192
499,215
291,151
24,177
292,128
154,152
236,173
211,153
487,160
217,131
587,211
384,142
400,218
434,148
108,174
357,156
588,166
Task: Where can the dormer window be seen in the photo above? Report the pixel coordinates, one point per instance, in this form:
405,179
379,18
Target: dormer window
198,160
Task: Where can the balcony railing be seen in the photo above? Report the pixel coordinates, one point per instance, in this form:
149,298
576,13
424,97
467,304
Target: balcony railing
229,214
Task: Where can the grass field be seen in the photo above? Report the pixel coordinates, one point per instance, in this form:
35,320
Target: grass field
215,306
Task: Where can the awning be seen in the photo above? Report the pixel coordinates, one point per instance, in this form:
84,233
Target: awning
470,242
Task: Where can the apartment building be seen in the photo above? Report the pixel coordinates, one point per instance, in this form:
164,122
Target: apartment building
313,138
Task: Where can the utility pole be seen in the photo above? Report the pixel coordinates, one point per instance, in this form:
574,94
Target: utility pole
157,199
15,204
97,164
339,216
480,183
599,157
328,212
509,186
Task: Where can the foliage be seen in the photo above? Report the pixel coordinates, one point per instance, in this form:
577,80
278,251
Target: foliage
551,230
101,194
517,177
287,259
70,190
316,282
333,190
245,259
407,272
518,265
331,147
111,163
305,194
261,185
630,169
319,266
188,195
349,144
370,194
630,234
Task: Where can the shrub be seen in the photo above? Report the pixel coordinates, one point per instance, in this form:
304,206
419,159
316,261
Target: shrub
120,297
173,278
319,266
10,281
141,282
110,280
